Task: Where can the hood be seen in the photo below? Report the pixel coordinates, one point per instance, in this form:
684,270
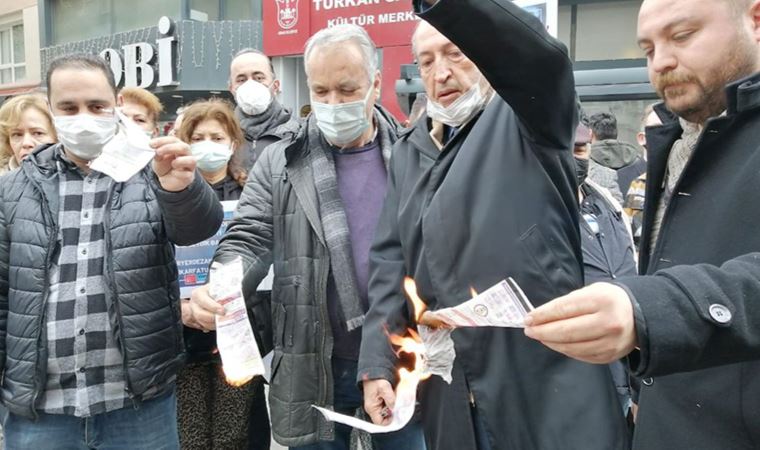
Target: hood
614,154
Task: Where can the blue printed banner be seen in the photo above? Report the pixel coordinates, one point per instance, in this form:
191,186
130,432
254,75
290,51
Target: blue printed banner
193,261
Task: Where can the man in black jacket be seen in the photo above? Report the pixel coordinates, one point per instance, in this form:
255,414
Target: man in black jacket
255,87
90,331
690,324
483,188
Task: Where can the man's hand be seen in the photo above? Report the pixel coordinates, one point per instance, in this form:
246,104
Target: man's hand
379,400
173,164
202,310
594,324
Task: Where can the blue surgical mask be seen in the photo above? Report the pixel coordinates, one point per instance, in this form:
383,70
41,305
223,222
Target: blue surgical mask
343,123
211,156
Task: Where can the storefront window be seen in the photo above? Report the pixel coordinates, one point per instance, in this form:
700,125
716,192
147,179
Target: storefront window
607,31
221,10
77,20
12,57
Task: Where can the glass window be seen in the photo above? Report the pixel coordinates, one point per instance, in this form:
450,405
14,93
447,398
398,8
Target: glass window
607,31
77,20
204,10
18,44
6,56
133,14
12,57
238,10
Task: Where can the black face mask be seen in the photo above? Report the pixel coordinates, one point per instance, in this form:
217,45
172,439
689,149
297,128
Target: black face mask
581,170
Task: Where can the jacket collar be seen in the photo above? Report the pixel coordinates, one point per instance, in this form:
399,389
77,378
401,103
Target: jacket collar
387,131
743,94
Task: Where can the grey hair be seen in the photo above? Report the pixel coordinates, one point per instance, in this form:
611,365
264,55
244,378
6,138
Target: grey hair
343,33
255,51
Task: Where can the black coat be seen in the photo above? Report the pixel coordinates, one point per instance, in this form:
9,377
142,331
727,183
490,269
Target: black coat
498,200
699,308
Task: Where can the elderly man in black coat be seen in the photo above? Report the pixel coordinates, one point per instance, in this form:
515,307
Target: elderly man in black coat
483,188
691,323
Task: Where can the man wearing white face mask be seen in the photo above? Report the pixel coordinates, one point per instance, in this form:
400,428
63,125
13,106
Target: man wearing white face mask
483,188
311,206
263,119
90,329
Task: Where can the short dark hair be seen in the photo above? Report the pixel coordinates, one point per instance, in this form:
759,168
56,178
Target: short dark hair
245,51
604,125
81,61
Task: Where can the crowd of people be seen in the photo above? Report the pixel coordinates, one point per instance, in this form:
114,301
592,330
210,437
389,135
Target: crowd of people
498,172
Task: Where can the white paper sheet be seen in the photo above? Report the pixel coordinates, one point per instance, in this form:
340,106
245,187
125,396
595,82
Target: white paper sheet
403,410
241,359
126,153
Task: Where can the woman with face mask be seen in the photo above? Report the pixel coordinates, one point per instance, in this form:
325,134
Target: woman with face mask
212,414
25,124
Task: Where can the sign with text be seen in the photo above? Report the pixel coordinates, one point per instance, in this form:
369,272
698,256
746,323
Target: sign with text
288,24
194,261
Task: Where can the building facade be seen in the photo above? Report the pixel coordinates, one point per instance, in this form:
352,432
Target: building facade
19,47
186,56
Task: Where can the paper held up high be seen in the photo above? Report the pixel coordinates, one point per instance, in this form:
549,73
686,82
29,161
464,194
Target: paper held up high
127,153
503,305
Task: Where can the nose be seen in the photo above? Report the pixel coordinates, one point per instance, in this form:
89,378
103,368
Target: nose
442,72
29,142
663,60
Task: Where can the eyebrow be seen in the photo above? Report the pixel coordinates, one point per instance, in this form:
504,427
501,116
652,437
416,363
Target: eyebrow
672,24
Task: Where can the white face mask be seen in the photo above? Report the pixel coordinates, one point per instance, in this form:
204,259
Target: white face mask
460,110
211,156
343,123
85,135
253,97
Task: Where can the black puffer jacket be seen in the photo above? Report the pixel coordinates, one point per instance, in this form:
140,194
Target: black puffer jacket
143,223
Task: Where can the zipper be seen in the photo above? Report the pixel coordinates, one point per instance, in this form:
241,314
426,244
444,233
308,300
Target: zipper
47,217
112,289
326,378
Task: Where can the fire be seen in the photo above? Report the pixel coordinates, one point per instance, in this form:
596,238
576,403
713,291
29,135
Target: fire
473,292
412,343
411,291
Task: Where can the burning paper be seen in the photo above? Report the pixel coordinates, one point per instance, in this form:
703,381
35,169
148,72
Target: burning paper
126,153
241,360
503,305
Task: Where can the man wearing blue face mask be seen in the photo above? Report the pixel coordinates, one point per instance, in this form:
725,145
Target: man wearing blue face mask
90,330
483,188
311,206
263,119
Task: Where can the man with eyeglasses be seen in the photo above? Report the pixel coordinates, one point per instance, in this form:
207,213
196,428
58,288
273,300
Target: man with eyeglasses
90,326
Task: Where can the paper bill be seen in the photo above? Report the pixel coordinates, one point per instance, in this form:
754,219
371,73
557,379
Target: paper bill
503,305
127,153
406,399
241,360
438,358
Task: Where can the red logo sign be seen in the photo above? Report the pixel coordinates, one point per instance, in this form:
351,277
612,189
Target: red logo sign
288,24
287,13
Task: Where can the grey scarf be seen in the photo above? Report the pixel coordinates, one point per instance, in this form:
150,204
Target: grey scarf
255,126
333,216
679,155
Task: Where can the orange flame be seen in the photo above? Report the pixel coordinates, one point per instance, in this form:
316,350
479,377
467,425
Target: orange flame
473,292
411,291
